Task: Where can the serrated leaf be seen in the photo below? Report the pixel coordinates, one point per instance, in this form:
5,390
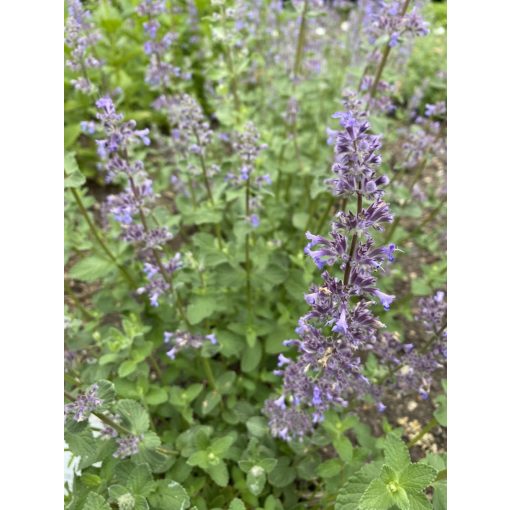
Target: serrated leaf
73,177
401,499
91,480
82,445
418,502
106,391
268,464
416,477
91,268
349,496
396,453
344,448
376,497
251,337
251,358
170,496
95,501
221,445
200,308
257,426
133,415
126,368
236,504
219,473
388,475
256,480
140,480
282,475
156,396
117,490
199,459
329,469
439,497
225,382
211,400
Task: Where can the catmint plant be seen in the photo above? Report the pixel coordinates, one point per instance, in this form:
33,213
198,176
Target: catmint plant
159,72
328,371
81,38
131,207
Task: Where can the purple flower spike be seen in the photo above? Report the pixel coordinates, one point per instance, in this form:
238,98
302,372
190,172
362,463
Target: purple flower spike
327,372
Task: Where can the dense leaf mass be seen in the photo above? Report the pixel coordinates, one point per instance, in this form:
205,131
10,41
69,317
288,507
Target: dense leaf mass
255,289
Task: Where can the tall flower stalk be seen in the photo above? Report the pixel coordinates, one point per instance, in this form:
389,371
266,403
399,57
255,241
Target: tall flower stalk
328,371
131,207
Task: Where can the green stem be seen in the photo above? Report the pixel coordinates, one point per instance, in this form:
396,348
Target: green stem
247,240
326,214
208,372
99,239
301,41
384,59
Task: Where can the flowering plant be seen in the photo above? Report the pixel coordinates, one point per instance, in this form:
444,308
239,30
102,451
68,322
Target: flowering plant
207,215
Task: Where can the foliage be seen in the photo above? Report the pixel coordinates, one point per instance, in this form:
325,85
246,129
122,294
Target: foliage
184,275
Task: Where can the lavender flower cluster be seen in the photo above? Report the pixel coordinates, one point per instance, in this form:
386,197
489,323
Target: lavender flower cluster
181,340
159,71
248,147
127,446
411,367
84,405
81,37
130,208
390,19
328,370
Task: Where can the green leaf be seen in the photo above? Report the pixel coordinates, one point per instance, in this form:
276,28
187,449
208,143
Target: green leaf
140,480
417,477
419,502
376,497
268,464
257,426
236,504
106,392
133,415
211,400
73,177
396,453
82,445
256,480
95,501
388,475
156,396
200,459
282,475
219,473
71,133
200,308
169,496
126,368
344,448
439,497
221,445
251,337
91,268
329,469
225,382
349,496
251,358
